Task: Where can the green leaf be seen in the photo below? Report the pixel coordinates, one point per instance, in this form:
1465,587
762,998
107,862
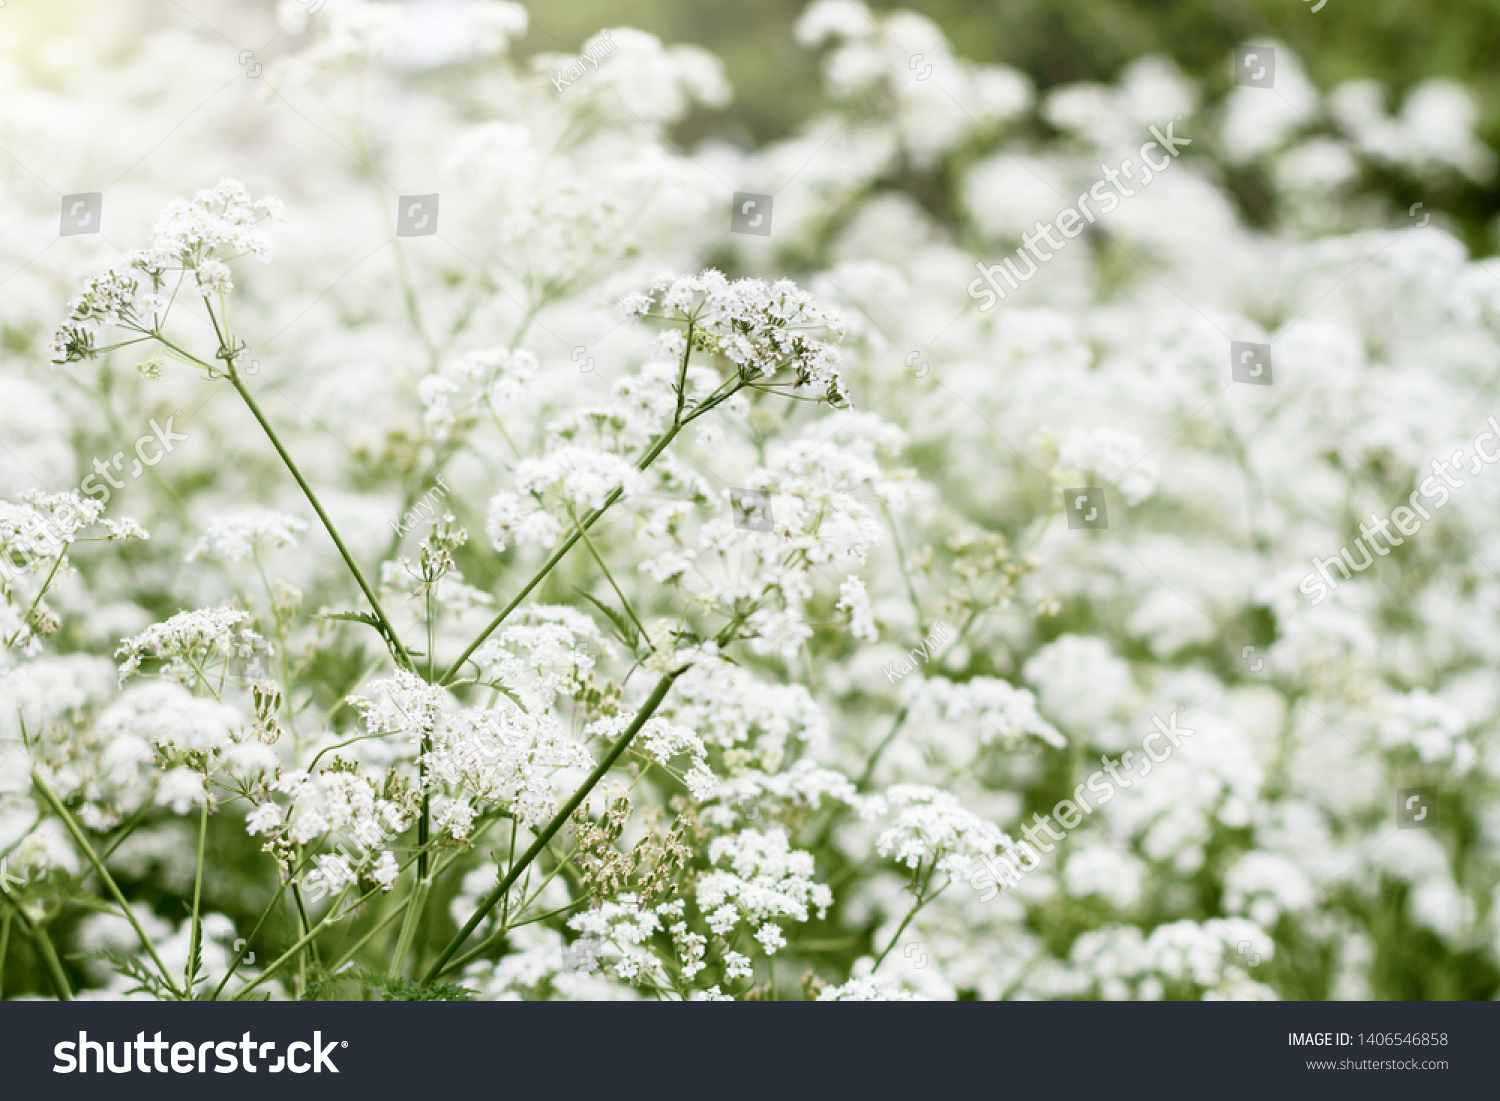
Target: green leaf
391,989
624,630
146,980
353,617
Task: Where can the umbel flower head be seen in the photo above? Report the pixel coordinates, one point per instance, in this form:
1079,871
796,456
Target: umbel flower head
192,644
197,237
762,328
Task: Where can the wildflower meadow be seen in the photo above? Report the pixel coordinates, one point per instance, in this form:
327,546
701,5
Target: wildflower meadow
472,530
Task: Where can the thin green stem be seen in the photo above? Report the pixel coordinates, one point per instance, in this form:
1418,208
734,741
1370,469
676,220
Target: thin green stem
922,900
123,833
281,651
109,882
687,350
599,558
863,783
395,912
54,966
504,928
47,584
557,556
194,938
279,898
911,590
658,694
409,926
239,955
304,923
398,651
302,942
4,949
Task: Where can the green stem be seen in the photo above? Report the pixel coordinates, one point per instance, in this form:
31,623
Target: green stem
409,926
109,882
304,923
124,832
557,556
599,558
4,949
59,978
504,928
398,651
911,589
922,900
234,964
862,784
719,397
654,701
395,912
47,584
191,973
302,942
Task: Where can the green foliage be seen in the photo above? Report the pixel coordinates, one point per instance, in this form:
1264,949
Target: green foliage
370,983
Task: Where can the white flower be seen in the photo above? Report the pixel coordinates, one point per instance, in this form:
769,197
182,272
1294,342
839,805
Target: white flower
765,879
581,476
771,938
264,818
385,871
239,535
855,599
1108,456
932,825
512,517
192,644
406,704
504,754
181,789
867,990
759,328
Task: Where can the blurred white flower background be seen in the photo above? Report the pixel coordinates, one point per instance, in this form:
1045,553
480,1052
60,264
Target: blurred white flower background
381,612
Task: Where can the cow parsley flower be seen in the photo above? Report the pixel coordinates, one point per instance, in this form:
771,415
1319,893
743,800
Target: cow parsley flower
932,825
197,236
237,536
192,645
505,755
855,599
868,990
761,329
762,879
404,703
513,518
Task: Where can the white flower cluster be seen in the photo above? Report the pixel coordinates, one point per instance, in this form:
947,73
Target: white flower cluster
197,236
663,741
194,646
1122,964
504,755
495,364
544,652
761,329
932,826
242,534
764,880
